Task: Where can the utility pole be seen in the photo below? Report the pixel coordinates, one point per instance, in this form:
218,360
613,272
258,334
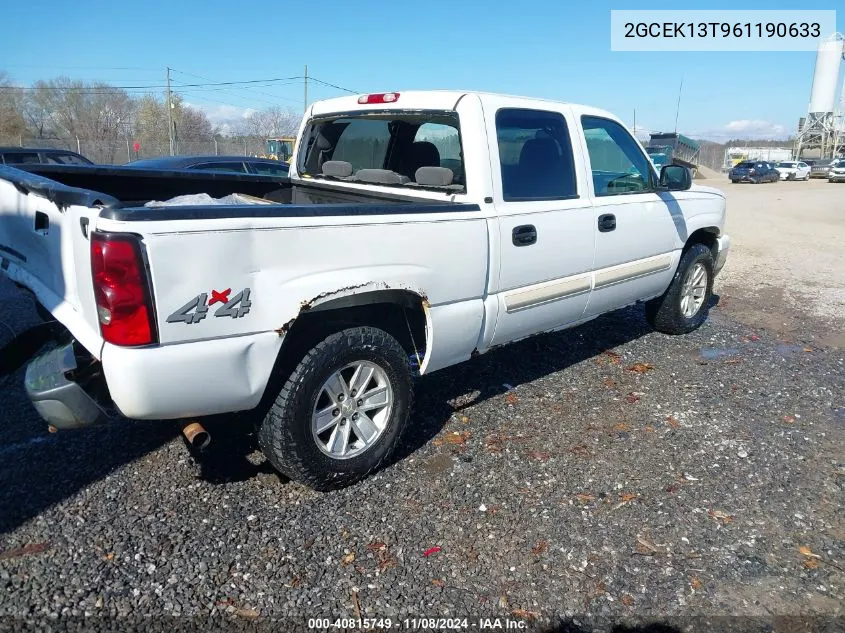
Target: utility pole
678,110
305,86
170,115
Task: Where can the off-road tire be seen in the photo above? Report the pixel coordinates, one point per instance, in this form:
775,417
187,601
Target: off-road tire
664,313
284,434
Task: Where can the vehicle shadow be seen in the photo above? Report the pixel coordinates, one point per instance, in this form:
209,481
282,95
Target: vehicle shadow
446,392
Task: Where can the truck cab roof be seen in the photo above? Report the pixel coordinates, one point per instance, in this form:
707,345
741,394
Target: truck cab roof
432,100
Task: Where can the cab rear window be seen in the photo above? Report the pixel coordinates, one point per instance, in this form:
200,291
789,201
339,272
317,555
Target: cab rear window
386,148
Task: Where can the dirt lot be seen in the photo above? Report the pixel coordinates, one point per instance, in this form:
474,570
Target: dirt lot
788,262
569,481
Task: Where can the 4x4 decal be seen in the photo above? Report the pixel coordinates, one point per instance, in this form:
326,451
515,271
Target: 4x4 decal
197,308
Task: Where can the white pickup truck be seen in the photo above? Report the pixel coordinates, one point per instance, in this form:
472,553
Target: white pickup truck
425,225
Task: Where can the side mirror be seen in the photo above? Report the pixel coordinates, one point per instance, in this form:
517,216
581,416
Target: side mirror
675,178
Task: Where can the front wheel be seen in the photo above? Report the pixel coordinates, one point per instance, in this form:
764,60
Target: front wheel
341,412
684,305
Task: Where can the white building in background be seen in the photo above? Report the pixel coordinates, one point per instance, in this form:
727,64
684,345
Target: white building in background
734,155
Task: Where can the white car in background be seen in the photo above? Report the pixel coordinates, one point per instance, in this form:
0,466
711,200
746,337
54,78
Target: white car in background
793,170
837,171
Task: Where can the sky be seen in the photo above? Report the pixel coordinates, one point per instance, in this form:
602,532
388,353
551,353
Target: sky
543,48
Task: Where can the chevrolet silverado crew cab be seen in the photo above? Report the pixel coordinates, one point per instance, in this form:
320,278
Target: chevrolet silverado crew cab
414,231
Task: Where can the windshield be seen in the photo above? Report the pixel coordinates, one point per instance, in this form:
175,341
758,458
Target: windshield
386,148
786,164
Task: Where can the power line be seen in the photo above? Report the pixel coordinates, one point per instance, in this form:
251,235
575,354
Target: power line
84,89
200,96
277,97
250,87
84,67
326,83
209,85
272,96
248,98
310,78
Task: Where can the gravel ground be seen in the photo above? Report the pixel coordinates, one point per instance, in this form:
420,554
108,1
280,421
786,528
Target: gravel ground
788,240
608,471
570,482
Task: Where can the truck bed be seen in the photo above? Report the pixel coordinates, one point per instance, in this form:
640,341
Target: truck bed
45,223
133,187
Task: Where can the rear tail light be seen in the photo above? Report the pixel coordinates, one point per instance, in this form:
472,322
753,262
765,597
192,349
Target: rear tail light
384,97
124,302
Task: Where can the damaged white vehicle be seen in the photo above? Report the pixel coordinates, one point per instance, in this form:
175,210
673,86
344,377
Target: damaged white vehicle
430,226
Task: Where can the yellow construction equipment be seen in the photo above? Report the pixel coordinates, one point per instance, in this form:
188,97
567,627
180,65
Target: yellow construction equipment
281,148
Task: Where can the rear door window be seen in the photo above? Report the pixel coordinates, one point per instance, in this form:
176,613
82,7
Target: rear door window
236,167
535,155
268,169
61,158
22,158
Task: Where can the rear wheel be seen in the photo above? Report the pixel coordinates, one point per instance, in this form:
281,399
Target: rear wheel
684,305
341,412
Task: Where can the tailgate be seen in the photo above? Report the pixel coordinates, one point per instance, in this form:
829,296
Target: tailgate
44,247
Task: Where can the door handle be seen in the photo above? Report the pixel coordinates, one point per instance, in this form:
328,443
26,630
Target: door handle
524,235
607,222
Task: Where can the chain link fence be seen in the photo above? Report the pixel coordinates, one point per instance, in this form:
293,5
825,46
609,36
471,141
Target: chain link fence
120,151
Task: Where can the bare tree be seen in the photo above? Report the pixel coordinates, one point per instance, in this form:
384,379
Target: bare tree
12,122
64,108
271,122
191,124
151,126
106,120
